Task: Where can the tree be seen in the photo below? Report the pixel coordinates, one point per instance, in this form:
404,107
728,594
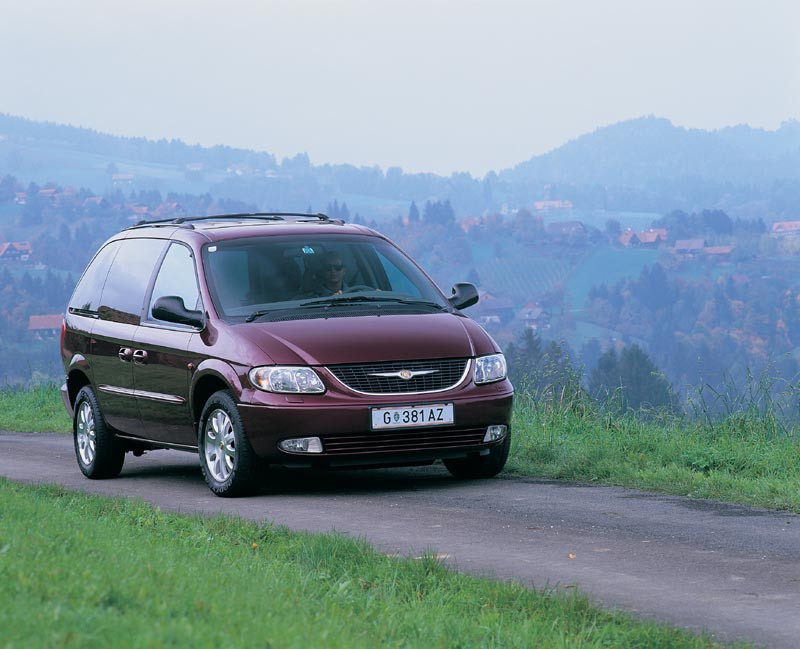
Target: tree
544,370
413,213
630,380
613,230
439,213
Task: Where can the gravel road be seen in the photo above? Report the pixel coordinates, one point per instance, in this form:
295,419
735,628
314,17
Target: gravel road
731,570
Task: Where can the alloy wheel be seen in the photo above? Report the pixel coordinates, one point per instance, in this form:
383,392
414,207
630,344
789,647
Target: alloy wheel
220,445
86,433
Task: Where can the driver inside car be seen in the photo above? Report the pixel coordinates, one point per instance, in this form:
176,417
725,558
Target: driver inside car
329,276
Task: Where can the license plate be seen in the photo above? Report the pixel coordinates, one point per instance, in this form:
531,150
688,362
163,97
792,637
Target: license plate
437,414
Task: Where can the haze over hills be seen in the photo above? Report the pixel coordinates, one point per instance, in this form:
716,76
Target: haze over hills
640,165
643,151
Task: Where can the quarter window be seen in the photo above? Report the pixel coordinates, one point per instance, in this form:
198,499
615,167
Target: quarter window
86,296
123,292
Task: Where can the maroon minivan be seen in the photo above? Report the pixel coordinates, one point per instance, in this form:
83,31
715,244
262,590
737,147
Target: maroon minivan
291,339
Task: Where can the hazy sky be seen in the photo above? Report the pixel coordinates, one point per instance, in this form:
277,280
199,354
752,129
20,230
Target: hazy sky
425,85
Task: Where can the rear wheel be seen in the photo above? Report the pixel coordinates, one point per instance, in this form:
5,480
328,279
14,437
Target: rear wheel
230,466
481,466
99,453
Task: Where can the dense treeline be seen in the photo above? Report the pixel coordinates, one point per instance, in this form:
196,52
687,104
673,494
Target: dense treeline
712,328
624,380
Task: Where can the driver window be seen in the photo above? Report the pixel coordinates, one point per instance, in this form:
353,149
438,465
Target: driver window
177,277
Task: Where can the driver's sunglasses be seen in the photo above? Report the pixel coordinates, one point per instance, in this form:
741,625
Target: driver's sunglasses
336,267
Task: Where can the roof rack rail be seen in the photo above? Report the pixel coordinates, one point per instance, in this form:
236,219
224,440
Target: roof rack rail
186,221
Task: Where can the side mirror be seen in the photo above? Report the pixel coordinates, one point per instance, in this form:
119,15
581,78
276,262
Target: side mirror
171,308
464,295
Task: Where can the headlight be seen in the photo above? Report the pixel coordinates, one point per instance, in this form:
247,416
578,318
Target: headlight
279,378
490,368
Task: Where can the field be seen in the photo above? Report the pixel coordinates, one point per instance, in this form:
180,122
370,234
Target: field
523,277
605,266
47,162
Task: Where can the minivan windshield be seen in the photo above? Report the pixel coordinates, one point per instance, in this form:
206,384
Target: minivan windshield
280,277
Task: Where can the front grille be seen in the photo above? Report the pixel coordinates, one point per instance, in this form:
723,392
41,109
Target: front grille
439,375
398,441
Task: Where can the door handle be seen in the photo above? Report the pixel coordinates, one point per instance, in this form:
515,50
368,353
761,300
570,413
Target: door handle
125,354
140,357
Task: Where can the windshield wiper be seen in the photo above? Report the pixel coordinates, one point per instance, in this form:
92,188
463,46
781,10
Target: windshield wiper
346,299
333,301
258,314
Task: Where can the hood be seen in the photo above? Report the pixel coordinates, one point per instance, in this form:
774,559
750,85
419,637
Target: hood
368,339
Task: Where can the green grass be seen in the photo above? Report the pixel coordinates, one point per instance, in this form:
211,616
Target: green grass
35,409
85,571
742,458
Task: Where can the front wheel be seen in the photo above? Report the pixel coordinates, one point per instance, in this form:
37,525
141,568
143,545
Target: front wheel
481,466
99,453
230,466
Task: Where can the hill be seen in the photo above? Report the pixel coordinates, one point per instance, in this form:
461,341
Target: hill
640,165
650,150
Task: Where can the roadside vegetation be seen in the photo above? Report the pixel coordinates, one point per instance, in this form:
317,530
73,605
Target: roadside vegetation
747,456
87,571
37,408
743,458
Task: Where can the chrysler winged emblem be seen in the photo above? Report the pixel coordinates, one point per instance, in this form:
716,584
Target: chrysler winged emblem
406,375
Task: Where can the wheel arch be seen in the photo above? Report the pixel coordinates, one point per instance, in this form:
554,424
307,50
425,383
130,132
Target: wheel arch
204,386
76,380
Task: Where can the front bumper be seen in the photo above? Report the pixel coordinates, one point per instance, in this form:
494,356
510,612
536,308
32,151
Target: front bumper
348,439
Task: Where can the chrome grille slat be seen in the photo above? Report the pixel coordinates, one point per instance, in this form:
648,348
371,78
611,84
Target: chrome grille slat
447,373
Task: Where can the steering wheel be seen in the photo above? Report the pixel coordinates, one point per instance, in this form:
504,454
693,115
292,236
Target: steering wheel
358,288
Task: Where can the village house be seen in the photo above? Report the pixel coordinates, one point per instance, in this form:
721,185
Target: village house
15,251
122,179
646,238
93,200
493,310
534,317
138,210
782,228
718,252
468,223
543,206
44,327
689,247
170,209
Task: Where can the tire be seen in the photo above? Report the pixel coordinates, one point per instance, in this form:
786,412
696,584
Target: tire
230,466
99,453
481,466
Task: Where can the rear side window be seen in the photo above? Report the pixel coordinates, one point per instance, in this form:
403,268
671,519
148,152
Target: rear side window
177,277
128,278
86,297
